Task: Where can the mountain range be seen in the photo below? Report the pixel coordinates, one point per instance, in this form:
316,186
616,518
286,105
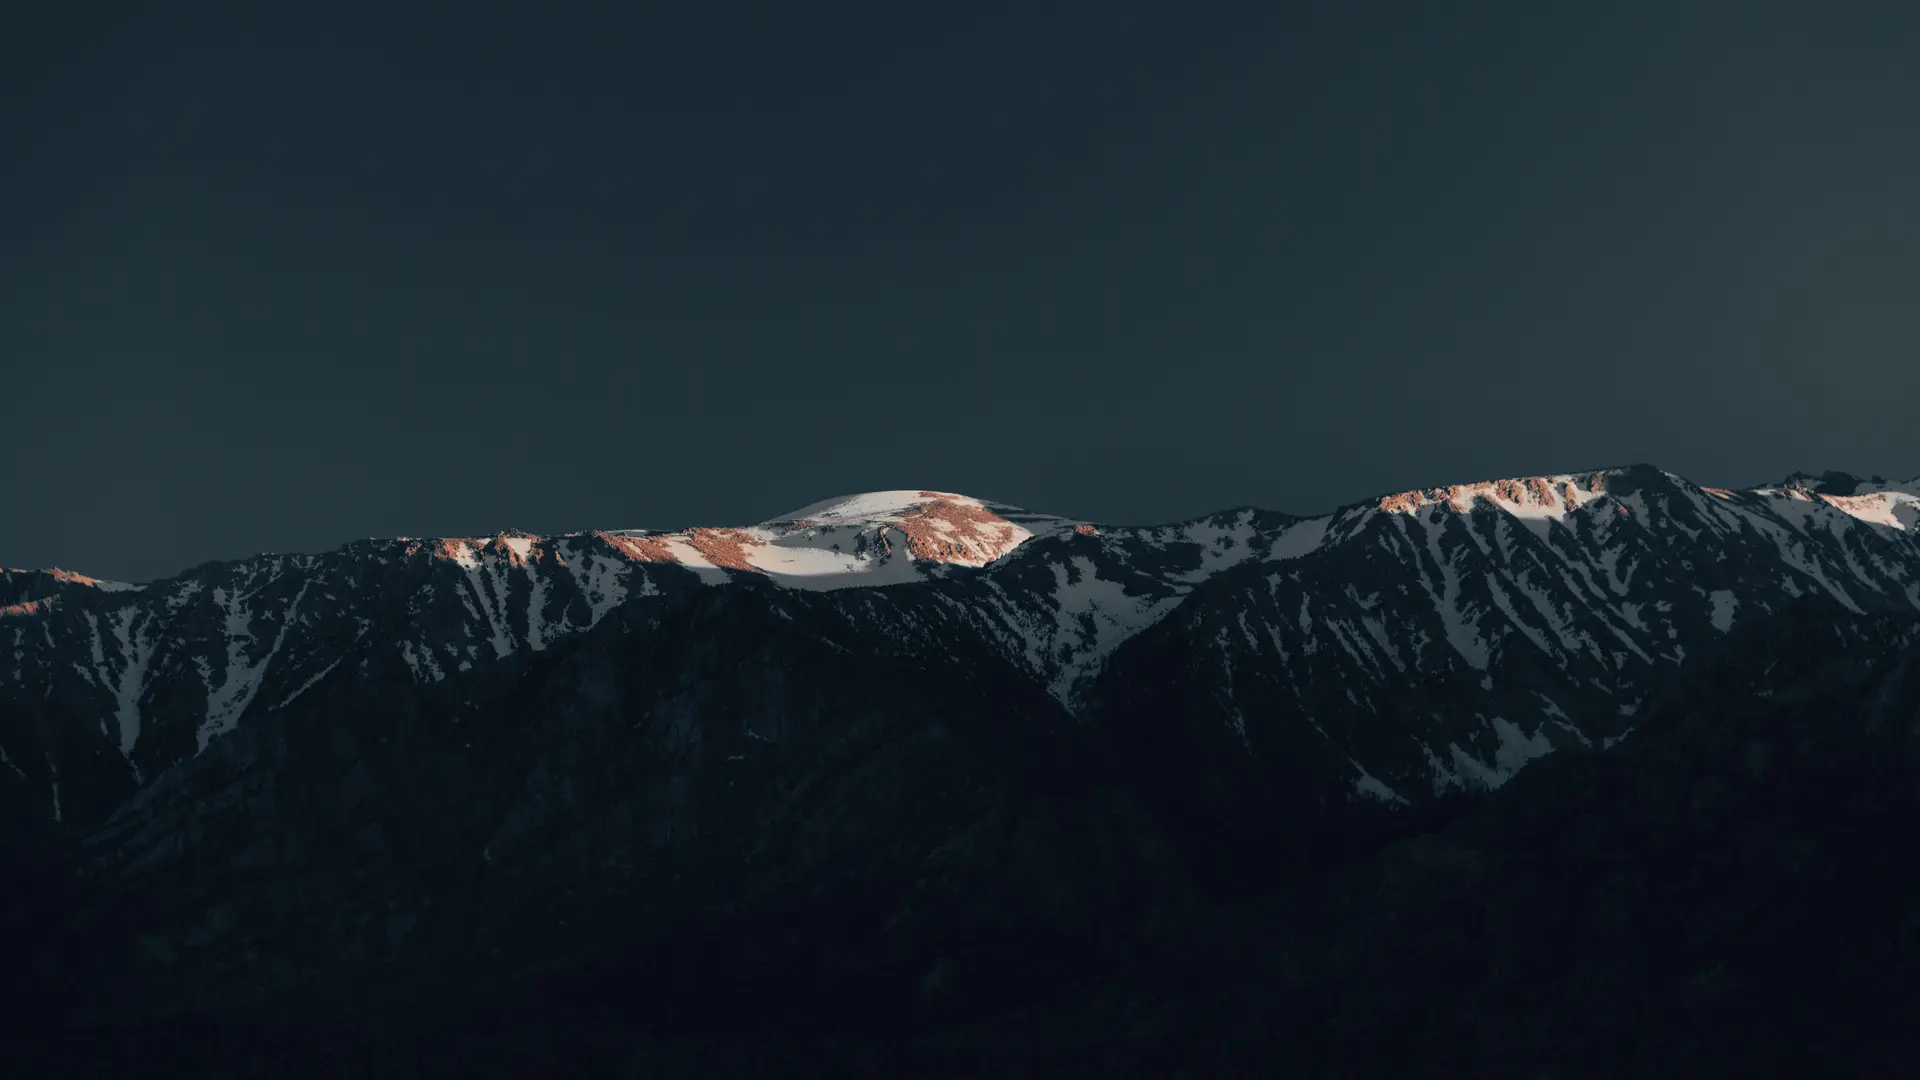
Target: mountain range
928,762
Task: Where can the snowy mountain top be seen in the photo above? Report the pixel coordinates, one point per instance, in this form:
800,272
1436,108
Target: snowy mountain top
1827,483
1524,496
888,530
1874,499
872,507
939,525
872,538
884,537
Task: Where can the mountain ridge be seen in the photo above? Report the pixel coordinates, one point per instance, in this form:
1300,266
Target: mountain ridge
119,682
1827,483
498,773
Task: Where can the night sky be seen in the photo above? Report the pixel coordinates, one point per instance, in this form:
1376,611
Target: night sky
276,276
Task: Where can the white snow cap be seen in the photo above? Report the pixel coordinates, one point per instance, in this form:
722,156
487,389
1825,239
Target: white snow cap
849,540
1894,506
872,506
873,538
1535,497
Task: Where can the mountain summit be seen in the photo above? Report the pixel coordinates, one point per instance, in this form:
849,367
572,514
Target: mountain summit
881,537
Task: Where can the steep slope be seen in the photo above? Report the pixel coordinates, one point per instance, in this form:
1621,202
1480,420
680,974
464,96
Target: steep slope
1061,606
1732,892
720,782
1729,892
108,687
1437,641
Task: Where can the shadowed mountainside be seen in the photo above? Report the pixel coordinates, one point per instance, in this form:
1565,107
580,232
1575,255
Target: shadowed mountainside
1570,776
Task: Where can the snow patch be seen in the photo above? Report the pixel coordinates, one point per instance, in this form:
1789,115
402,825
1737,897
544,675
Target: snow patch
1724,604
136,651
1371,787
308,685
1301,538
688,556
1514,750
241,680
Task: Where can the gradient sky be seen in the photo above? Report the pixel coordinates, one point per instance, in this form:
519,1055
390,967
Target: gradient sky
276,276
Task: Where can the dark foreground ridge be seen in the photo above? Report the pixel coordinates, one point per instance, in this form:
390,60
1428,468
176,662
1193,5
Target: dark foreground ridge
1452,790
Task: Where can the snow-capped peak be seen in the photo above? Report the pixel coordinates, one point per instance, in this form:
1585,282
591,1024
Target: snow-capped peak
874,531
1526,496
1873,500
873,538
872,507
1827,483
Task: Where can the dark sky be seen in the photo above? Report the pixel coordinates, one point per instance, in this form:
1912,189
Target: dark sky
275,276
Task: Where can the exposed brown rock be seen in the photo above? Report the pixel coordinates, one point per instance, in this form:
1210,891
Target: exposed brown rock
1525,491
29,607
1406,502
973,532
724,547
1853,504
499,546
1086,530
650,549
